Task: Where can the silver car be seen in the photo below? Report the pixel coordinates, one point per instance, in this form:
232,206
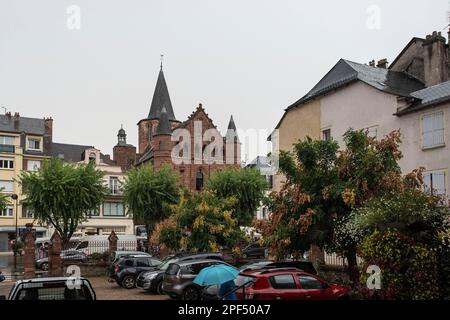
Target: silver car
178,279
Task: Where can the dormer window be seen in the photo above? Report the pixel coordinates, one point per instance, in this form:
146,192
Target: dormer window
34,144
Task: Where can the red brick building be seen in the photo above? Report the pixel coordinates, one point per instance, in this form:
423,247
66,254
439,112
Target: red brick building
157,140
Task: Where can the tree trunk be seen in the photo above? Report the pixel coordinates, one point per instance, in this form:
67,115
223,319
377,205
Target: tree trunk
352,269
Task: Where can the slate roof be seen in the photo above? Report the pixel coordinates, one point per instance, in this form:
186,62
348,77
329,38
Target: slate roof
161,99
164,124
429,96
28,125
71,152
145,157
345,72
231,134
259,162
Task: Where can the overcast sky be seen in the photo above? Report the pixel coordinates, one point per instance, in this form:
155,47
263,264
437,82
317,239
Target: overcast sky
248,58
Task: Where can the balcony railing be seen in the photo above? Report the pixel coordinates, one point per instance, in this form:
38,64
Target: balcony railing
7,148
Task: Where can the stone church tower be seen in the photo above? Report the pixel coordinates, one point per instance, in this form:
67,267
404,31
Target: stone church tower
155,140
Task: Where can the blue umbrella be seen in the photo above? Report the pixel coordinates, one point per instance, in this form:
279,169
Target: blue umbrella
216,274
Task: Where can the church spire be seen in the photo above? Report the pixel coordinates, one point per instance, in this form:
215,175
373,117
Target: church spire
231,135
164,124
161,99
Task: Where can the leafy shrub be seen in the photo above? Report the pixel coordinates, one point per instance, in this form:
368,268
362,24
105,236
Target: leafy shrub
408,270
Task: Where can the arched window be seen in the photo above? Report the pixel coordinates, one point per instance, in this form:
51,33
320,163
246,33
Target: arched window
199,180
150,132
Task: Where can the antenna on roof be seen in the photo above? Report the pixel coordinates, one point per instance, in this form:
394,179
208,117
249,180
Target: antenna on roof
3,107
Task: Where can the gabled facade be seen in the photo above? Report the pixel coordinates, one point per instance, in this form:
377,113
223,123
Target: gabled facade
411,95
156,140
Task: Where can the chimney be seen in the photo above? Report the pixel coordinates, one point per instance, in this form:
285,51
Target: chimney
16,120
106,157
372,63
48,136
435,59
383,63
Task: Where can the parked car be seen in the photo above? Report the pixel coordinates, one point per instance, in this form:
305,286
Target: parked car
128,268
178,278
152,280
254,250
121,254
287,284
70,255
51,289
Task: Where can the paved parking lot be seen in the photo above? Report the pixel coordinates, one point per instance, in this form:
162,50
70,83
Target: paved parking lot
104,290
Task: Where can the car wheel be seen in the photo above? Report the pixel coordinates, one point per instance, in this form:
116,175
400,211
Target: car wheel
344,297
44,266
159,288
191,293
129,282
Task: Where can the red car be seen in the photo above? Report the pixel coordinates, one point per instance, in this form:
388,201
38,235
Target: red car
287,284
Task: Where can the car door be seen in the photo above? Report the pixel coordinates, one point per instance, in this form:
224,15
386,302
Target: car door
143,264
312,288
284,287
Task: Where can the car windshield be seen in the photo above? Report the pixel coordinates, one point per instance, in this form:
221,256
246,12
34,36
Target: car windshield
163,266
241,280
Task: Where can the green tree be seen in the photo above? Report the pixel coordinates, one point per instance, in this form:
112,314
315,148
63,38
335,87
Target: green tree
63,194
247,186
4,199
323,186
148,194
199,223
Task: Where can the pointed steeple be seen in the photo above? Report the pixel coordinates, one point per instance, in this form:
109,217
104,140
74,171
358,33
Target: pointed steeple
161,99
231,135
231,124
164,124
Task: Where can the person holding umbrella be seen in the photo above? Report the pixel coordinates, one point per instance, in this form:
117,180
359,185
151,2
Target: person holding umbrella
222,275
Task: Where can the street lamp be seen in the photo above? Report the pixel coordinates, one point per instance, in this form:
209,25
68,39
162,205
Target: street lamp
15,197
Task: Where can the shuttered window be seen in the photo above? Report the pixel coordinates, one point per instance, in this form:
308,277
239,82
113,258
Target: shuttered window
433,130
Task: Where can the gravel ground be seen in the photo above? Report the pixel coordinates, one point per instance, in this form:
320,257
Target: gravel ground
104,290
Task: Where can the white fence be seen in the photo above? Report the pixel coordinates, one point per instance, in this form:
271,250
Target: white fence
334,260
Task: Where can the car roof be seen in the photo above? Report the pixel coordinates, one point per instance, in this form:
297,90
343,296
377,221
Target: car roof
265,272
182,255
137,256
197,261
47,279
133,253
